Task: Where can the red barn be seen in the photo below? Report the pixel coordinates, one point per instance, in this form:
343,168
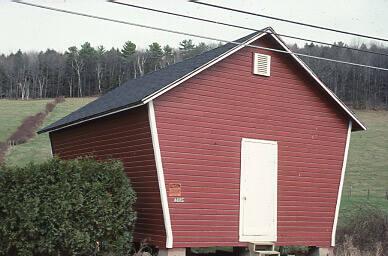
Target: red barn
236,146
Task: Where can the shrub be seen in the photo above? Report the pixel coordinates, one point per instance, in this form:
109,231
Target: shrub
50,107
365,229
3,150
347,248
30,124
27,129
59,99
74,207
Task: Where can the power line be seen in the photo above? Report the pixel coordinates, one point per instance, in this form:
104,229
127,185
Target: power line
195,35
290,21
242,27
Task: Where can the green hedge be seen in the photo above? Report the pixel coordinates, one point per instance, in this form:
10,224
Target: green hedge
76,207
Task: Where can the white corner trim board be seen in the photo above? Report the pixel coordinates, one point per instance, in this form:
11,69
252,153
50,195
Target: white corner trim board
160,174
51,145
337,208
177,82
238,47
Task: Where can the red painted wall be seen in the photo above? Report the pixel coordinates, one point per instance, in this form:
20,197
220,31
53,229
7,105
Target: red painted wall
201,123
125,136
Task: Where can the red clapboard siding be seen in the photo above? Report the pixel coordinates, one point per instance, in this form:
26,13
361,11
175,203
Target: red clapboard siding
125,136
200,125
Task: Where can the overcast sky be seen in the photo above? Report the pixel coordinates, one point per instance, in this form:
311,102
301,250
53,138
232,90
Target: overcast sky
29,28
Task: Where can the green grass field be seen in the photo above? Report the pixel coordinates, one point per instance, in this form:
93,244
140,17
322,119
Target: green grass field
367,163
368,156
38,148
12,113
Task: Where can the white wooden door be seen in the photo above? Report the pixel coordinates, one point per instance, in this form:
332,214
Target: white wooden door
258,191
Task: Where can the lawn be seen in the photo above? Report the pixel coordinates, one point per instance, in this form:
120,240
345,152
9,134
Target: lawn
367,163
349,205
367,167
38,148
12,113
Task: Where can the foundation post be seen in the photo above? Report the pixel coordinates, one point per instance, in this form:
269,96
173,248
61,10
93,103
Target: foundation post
172,252
321,251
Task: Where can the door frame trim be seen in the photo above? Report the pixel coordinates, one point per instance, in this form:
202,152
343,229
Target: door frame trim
253,239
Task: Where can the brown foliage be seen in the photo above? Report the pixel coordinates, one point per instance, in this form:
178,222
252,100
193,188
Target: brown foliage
28,128
366,231
50,106
347,248
3,150
59,99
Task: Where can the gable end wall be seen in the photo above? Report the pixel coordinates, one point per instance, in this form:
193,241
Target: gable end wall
200,126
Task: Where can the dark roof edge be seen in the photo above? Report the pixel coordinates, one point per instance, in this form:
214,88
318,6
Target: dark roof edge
173,84
206,65
89,118
213,61
346,109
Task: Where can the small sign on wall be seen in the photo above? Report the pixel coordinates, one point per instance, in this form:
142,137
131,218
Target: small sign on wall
174,189
179,200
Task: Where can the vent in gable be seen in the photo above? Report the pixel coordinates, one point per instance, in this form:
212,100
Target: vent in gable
261,64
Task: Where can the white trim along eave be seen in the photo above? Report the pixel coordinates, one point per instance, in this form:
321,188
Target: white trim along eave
200,69
160,174
238,47
316,78
216,60
341,185
173,84
92,118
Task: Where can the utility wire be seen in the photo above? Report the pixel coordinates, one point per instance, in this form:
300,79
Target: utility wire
195,35
243,27
289,21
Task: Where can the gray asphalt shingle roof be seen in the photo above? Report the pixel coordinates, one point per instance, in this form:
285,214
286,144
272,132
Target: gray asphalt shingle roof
133,91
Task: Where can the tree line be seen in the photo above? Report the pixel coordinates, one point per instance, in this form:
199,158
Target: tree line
89,71
359,87
85,70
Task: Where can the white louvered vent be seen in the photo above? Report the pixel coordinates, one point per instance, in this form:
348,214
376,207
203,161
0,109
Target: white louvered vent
261,64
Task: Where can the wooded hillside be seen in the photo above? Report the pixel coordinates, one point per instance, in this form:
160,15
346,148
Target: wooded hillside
359,87
88,71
